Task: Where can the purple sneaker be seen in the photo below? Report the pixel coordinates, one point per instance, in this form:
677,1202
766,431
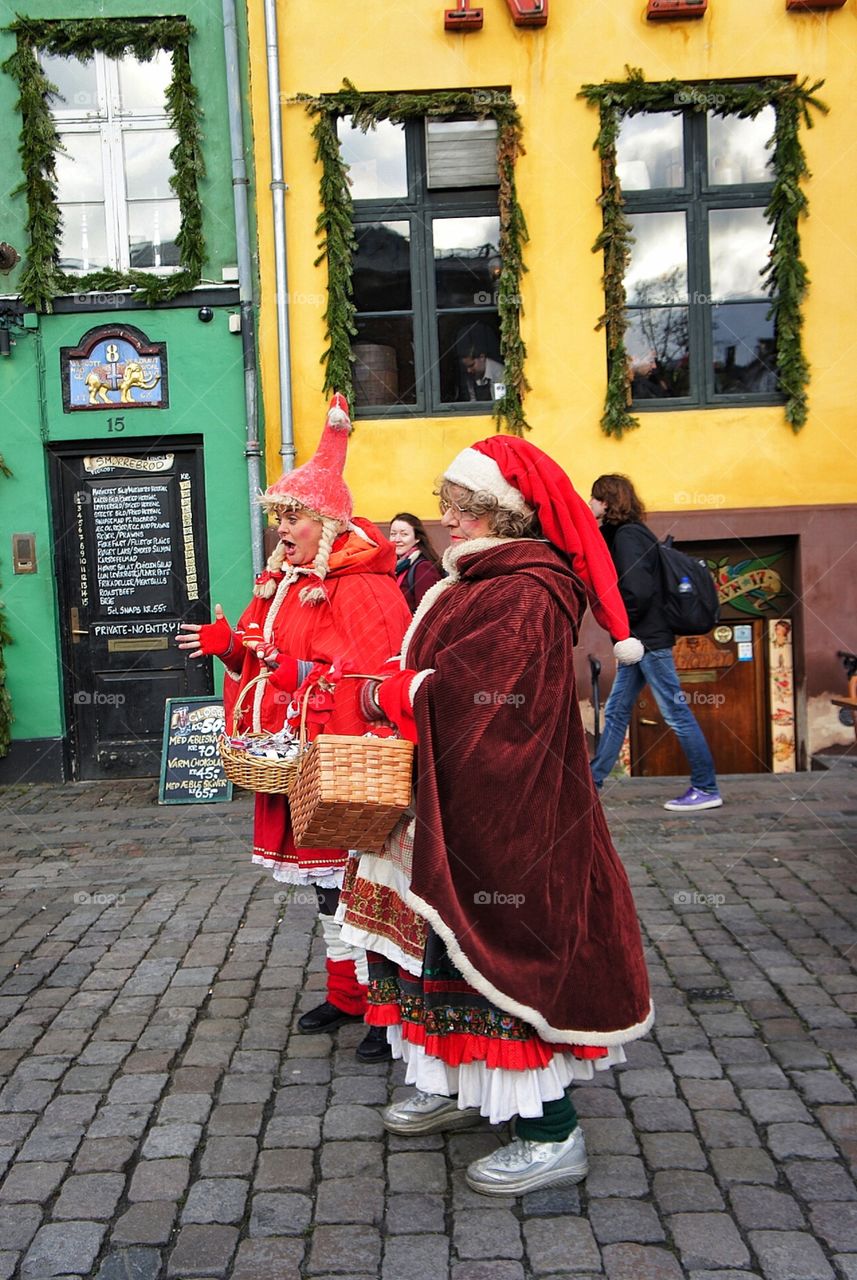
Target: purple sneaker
693,800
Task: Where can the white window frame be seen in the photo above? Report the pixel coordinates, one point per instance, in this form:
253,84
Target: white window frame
109,120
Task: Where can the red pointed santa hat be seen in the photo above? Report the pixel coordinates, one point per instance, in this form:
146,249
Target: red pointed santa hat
523,478
318,486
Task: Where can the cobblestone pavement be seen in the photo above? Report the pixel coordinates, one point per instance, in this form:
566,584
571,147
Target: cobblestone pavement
159,1118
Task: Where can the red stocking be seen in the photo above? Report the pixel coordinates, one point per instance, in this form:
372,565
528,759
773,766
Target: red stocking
343,989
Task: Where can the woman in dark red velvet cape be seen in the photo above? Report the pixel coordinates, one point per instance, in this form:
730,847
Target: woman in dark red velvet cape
513,865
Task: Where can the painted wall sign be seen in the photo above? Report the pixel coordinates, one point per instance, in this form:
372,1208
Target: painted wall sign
114,367
750,586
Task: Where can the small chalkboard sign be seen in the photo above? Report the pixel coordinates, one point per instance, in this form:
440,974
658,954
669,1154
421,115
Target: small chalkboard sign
191,769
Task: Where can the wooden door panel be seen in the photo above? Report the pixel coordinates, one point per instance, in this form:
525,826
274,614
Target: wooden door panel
132,563
727,697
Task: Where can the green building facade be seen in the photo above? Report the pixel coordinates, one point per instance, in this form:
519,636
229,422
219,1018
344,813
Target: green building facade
126,379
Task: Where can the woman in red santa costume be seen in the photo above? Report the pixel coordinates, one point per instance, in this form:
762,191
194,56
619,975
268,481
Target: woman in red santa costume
532,973
327,603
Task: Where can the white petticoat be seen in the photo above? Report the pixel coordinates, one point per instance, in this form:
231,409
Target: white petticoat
499,1093
288,873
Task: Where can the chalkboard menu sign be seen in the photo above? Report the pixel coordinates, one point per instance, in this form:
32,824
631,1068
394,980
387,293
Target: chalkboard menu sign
191,770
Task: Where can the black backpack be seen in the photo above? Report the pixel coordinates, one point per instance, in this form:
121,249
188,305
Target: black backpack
690,602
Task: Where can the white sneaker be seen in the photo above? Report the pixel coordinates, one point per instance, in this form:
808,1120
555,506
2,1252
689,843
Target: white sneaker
427,1113
523,1165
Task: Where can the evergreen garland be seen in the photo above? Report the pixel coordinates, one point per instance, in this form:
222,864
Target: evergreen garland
336,227
43,279
5,639
785,276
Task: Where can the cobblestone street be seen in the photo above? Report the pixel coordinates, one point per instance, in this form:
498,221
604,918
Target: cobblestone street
160,1119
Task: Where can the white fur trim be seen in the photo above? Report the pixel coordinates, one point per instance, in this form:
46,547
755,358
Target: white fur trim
361,533
418,680
481,474
554,1035
628,652
338,418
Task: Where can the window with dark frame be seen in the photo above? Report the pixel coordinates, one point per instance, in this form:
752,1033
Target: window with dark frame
696,185
427,266
113,174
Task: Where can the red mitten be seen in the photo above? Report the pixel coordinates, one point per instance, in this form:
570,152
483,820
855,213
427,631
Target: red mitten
282,670
216,639
393,697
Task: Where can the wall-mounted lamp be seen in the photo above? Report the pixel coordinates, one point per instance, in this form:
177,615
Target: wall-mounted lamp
9,256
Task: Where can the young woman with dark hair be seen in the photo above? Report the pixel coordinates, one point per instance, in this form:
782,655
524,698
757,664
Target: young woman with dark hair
418,564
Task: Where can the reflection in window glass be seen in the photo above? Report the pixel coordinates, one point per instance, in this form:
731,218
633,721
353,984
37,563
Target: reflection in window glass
153,226
79,168
736,148
739,248
650,151
461,153
744,349
382,266
76,81
466,261
143,85
148,167
658,344
83,243
376,159
657,272
384,361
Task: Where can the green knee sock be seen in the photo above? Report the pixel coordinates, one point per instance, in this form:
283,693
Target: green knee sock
556,1123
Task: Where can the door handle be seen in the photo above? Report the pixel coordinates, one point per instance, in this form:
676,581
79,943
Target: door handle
653,723
76,628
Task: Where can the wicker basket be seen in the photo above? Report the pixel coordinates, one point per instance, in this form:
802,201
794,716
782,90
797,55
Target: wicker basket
350,792
255,773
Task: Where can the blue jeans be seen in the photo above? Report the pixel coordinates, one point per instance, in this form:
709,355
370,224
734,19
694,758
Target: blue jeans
657,670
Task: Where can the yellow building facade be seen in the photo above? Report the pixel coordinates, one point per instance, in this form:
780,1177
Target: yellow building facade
714,476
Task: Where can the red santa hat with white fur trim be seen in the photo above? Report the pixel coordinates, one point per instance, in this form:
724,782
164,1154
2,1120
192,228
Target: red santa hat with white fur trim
524,479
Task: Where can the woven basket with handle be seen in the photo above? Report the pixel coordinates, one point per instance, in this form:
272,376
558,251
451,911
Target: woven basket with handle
349,792
254,773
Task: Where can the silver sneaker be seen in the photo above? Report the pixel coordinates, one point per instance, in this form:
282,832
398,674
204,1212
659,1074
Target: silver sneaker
427,1113
523,1165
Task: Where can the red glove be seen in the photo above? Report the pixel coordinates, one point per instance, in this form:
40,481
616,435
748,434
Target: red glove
282,670
216,638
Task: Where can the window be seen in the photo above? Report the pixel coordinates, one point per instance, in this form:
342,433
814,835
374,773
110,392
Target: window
696,186
427,265
113,174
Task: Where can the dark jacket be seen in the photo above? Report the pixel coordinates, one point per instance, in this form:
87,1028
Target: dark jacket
634,549
415,577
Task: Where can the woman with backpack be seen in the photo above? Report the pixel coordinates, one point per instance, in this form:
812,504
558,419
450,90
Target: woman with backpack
418,564
634,548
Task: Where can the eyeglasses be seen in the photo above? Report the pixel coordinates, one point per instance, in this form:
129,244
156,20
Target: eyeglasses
461,513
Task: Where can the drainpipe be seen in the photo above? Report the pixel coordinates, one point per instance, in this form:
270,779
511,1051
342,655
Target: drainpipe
278,193
252,449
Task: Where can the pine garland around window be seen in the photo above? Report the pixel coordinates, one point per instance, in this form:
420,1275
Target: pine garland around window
786,276
5,639
43,279
336,229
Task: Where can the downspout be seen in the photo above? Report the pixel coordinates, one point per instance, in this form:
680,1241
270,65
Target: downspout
281,284
240,183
